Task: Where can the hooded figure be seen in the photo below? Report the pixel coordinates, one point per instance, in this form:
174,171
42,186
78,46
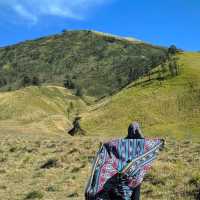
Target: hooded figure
134,132
120,166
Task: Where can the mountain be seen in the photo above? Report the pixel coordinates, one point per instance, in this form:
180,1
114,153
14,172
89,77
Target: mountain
34,119
98,64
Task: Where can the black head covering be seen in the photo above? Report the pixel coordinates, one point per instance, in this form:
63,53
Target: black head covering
134,131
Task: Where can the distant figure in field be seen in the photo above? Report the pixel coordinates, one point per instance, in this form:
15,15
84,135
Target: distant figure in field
76,129
120,166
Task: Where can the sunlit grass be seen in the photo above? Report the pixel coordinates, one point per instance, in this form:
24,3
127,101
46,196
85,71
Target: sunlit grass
169,108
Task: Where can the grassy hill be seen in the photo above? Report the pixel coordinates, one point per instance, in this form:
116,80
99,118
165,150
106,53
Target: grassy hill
97,63
169,108
38,109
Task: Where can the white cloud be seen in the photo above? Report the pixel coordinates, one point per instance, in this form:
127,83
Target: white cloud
23,12
32,10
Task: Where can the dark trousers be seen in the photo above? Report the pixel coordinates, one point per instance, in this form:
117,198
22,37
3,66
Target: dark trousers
136,193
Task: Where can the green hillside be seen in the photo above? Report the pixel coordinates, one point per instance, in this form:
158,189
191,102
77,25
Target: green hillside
170,107
97,63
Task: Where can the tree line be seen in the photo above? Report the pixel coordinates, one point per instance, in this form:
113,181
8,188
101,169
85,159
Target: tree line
168,63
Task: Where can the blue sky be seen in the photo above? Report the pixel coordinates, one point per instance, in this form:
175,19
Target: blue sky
155,21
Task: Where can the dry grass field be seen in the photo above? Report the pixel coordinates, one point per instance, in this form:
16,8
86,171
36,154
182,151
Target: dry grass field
57,167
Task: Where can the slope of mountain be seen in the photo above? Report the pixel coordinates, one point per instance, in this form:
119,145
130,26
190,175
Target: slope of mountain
38,109
170,107
97,63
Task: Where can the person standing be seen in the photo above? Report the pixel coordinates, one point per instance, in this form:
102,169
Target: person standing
120,166
134,132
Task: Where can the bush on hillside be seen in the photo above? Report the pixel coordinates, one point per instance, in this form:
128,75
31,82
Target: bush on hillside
35,81
79,91
3,82
174,68
26,81
68,83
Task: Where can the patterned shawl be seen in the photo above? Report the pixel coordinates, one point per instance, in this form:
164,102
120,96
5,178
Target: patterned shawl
120,166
